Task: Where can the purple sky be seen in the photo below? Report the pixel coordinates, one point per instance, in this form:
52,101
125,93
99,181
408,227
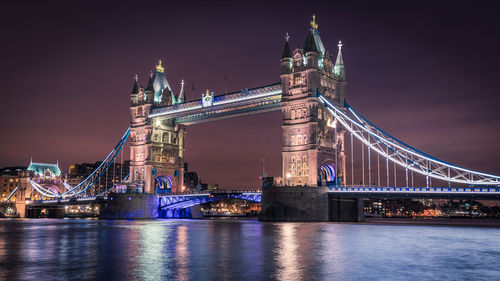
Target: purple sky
425,72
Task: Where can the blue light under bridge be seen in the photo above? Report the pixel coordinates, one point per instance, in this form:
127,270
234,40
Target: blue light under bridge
177,205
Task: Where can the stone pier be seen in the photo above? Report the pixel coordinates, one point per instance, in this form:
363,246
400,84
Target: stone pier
130,206
345,209
294,203
308,204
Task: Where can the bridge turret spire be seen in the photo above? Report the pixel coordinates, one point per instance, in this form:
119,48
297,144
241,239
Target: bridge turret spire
135,88
338,69
286,51
182,95
150,82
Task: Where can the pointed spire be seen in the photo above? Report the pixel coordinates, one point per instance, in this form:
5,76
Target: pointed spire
135,89
150,82
182,95
339,60
310,43
338,69
286,51
174,99
166,96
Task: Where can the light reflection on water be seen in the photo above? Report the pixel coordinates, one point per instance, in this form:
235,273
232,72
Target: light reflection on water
51,249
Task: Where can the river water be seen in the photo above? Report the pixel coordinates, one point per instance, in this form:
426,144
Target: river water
75,249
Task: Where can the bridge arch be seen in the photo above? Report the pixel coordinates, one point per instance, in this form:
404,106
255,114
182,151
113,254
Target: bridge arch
327,173
175,204
163,184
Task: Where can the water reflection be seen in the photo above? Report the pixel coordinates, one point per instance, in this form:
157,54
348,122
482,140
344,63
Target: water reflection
153,237
287,256
242,250
182,253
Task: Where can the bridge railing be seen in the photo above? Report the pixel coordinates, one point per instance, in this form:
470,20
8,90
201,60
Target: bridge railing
209,192
221,99
447,190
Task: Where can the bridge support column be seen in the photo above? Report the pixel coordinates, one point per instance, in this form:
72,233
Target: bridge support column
21,209
294,203
345,209
130,206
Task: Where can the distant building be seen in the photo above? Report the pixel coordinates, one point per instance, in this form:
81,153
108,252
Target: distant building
47,175
206,186
191,180
43,170
10,178
115,173
13,171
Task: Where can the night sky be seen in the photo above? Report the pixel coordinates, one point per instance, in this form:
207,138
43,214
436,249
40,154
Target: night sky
425,71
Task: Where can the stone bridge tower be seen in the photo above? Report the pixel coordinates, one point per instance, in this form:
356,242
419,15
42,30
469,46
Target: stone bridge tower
313,144
157,146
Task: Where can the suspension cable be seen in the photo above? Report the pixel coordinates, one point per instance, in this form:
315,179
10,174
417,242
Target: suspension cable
363,163
417,161
378,168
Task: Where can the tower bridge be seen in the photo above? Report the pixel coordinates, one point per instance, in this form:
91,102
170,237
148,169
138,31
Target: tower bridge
319,128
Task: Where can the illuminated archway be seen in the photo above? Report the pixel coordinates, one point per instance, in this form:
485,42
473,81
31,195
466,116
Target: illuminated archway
327,174
163,184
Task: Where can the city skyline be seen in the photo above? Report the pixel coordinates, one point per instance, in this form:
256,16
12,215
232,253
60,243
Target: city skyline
425,83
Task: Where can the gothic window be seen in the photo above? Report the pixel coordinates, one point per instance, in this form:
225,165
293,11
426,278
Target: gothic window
320,113
174,139
298,80
298,139
304,159
165,137
293,114
139,111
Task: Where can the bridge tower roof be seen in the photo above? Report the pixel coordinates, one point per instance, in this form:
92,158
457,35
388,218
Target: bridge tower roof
41,168
313,41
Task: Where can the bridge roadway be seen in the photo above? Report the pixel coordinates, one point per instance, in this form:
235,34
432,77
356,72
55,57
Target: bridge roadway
189,199
69,201
241,103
